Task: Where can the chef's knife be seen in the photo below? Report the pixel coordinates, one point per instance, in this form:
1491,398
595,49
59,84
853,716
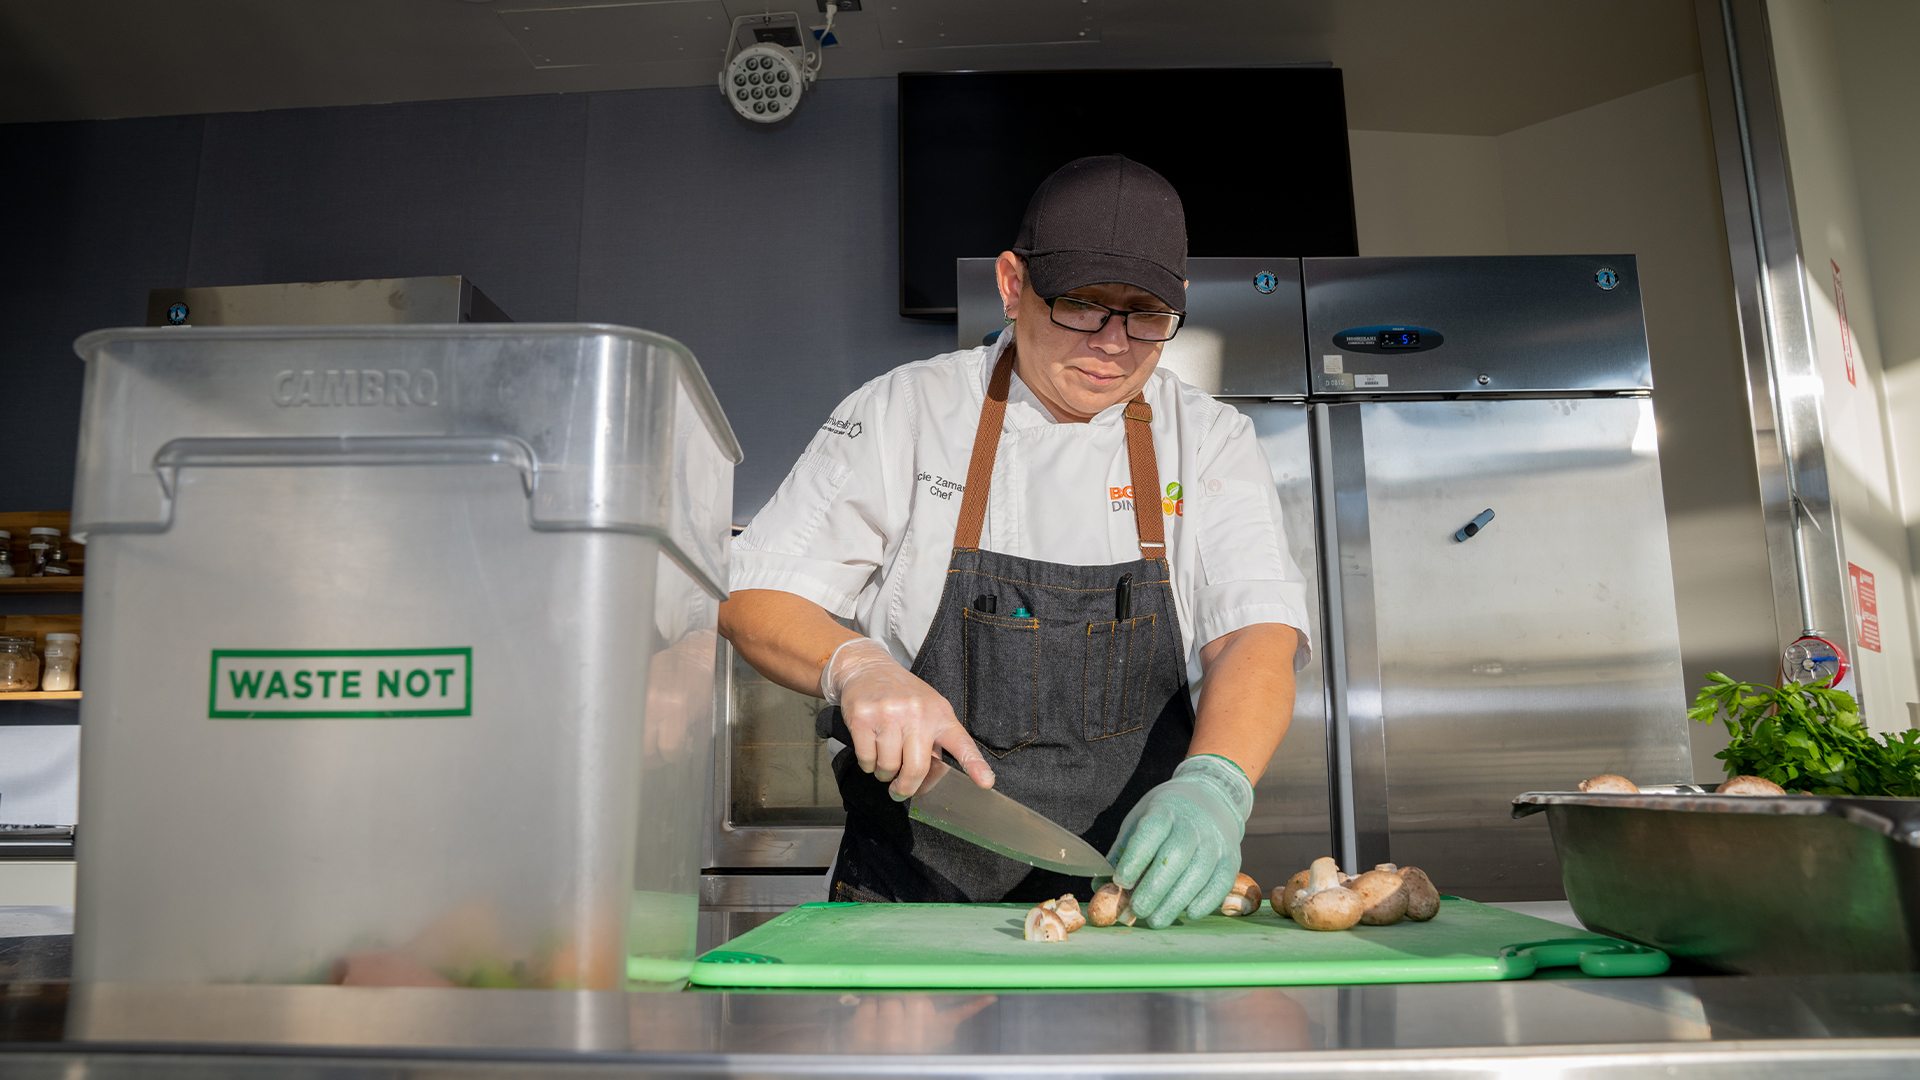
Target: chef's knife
950,801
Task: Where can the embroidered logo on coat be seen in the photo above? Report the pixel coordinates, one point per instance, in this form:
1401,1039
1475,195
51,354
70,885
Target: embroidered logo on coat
1172,503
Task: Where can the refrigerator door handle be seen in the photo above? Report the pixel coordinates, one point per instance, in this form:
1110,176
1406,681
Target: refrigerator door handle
1472,528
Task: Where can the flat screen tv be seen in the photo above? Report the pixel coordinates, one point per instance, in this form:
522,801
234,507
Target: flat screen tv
1259,156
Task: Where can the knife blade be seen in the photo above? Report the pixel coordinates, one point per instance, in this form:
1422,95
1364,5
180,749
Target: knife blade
950,801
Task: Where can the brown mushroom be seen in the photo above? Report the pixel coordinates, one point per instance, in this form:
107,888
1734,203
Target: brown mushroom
1750,785
1111,904
1244,899
1423,900
1325,904
1609,784
1069,911
1044,924
1283,897
1383,891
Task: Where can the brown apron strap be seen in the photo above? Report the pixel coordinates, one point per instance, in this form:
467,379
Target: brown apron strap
986,447
1141,462
1146,479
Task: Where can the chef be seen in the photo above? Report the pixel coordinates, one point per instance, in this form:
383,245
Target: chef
1046,548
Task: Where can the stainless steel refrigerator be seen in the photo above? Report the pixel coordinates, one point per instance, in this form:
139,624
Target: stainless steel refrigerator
1466,453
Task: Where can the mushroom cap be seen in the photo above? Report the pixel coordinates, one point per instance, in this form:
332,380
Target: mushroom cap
1069,911
1243,898
1750,785
1423,900
1335,908
1044,924
1384,894
1609,784
1109,905
1283,896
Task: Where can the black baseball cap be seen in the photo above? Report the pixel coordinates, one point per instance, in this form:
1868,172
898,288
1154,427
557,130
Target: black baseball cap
1107,219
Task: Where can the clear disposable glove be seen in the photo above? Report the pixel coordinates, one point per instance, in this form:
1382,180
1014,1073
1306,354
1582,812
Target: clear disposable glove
897,721
1179,848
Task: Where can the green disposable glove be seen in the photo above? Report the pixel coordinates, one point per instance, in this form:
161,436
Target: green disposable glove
1179,848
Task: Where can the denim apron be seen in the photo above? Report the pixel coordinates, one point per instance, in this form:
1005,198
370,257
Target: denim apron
1072,679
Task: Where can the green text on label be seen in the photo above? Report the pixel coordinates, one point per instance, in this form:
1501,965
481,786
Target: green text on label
291,684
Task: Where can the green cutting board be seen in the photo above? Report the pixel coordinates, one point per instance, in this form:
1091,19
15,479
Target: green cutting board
979,946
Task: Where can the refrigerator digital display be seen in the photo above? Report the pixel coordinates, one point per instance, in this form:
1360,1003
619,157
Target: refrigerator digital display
1400,339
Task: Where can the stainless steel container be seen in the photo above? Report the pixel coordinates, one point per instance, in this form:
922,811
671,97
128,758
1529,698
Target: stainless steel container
1764,885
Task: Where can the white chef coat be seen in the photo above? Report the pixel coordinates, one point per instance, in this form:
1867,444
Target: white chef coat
863,524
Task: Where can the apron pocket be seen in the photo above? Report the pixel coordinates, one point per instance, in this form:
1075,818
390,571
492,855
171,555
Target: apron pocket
1120,658
1000,687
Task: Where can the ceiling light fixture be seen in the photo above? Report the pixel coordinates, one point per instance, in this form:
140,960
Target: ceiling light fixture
764,81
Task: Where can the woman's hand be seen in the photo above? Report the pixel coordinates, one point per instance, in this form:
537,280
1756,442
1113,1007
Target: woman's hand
898,722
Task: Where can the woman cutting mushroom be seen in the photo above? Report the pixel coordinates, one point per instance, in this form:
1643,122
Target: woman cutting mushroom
1047,547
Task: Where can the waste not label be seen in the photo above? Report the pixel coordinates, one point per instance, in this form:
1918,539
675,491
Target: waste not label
295,684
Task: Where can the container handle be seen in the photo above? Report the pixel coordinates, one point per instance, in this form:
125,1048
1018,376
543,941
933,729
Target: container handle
341,450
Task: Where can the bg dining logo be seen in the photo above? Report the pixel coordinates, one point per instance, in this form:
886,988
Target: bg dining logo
294,684
1172,504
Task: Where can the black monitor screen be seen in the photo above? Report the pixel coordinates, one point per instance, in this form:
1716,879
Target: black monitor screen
1258,155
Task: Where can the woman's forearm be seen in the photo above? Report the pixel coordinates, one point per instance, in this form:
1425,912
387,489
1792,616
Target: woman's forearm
785,637
1246,702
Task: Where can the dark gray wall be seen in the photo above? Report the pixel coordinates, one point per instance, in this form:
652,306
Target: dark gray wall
770,251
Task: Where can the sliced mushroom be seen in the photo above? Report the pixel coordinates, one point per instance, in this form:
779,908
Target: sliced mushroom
1750,785
1244,899
1325,904
1609,784
1069,911
1283,897
1423,900
1111,904
1044,924
1382,890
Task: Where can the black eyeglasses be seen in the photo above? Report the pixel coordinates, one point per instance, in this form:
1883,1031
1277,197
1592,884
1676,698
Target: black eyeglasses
1088,317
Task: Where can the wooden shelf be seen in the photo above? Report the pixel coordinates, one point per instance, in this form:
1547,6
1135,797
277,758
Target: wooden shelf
19,523
40,584
40,695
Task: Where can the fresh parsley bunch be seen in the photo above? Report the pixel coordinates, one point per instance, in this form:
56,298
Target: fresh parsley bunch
1807,738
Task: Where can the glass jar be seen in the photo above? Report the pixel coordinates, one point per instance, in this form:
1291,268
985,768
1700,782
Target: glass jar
56,564
19,664
6,553
39,539
62,656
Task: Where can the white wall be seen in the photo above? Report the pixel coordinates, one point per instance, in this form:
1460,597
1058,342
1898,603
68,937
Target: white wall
1836,228
1881,86
1417,194
1634,175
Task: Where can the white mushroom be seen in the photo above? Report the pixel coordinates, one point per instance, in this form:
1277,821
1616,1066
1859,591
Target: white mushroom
1244,899
1069,911
1609,784
1325,904
1383,891
1423,900
1111,904
1044,924
1750,785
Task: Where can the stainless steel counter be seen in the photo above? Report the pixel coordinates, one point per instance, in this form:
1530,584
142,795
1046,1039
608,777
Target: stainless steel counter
1841,1026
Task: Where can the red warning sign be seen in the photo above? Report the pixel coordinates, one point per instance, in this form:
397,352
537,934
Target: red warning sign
1866,604
1846,340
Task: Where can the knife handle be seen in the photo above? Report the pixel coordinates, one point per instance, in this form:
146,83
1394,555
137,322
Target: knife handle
829,724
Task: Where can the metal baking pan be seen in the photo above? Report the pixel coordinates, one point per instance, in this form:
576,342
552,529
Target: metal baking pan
1755,884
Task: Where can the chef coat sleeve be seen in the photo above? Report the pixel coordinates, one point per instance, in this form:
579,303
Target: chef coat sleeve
1246,575
829,525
